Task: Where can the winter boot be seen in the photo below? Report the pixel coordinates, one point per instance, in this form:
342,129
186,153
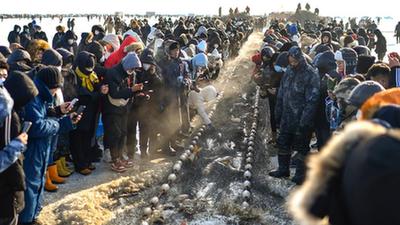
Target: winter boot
85,171
53,174
64,165
48,185
283,169
300,174
61,170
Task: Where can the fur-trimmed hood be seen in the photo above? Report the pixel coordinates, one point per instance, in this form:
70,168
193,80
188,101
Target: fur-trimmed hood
312,202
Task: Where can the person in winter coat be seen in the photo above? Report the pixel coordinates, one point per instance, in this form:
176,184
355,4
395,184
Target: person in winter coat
47,81
25,37
98,51
354,180
145,110
119,54
89,92
295,108
380,73
175,74
326,65
13,36
380,44
112,44
19,60
98,32
52,58
36,49
347,60
375,102
12,145
345,112
58,36
86,39
326,39
69,42
268,79
198,100
397,32
39,34
146,29
180,29
115,112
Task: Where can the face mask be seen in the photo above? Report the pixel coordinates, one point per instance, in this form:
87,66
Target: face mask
2,80
70,41
107,55
146,67
278,69
89,69
130,72
358,114
103,58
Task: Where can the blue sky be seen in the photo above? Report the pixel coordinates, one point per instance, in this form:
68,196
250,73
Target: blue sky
331,8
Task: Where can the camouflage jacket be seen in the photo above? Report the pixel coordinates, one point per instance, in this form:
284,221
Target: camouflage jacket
297,98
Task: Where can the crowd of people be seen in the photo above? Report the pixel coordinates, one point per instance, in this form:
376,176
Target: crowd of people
147,79
335,90
155,79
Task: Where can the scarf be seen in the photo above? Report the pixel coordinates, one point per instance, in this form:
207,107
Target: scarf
87,80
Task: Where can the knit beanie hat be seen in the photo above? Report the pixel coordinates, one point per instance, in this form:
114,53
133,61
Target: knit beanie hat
85,60
131,61
96,49
52,58
364,91
147,57
51,77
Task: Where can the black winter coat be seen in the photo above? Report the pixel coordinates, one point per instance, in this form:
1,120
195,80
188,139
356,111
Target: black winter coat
117,80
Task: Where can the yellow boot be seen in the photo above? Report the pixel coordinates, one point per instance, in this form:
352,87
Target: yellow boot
48,185
64,165
61,170
52,169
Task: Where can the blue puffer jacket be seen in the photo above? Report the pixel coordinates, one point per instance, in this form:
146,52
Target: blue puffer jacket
37,153
298,95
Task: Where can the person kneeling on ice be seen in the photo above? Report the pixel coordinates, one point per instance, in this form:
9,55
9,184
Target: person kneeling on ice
197,100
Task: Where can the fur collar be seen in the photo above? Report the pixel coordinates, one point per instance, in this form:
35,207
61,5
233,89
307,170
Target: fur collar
324,166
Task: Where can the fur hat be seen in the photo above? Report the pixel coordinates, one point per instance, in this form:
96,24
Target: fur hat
135,46
35,46
350,57
390,114
320,196
387,97
345,86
